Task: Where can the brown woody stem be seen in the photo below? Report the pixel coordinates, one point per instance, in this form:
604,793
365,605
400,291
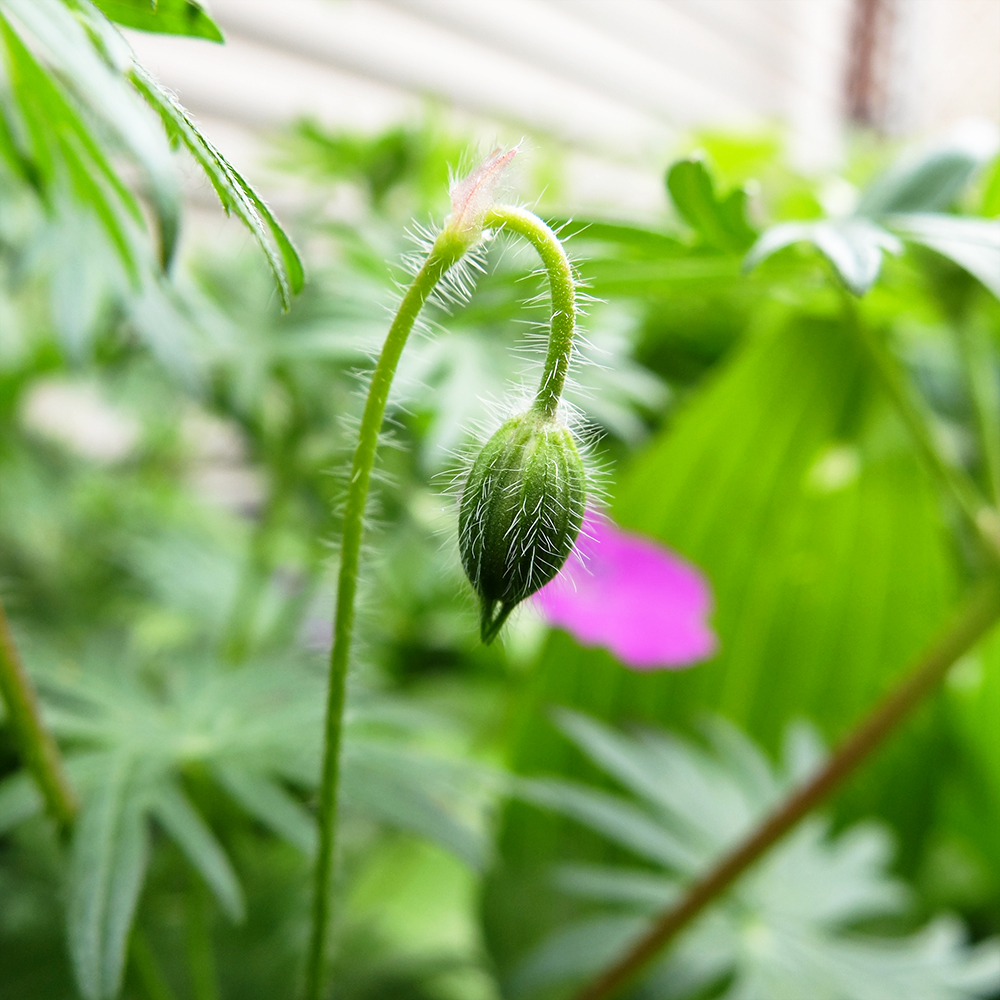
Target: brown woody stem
981,612
32,739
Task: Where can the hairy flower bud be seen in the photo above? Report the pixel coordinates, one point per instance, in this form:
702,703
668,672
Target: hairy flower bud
521,511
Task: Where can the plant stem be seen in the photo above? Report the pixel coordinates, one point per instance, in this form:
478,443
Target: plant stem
33,740
563,286
446,252
981,516
977,356
980,613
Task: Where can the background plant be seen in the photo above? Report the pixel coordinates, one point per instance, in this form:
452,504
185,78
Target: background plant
152,576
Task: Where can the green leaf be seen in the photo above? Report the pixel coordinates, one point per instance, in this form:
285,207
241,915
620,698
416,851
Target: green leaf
853,246
234,192
92,67
624,234
166,17
973,244
783,929
720,222
179,818
614,817
929,183
19,800
991,191
59,134
789,483
107,870
399,788
268,802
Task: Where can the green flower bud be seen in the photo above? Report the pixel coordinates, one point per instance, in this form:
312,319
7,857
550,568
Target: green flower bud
522,507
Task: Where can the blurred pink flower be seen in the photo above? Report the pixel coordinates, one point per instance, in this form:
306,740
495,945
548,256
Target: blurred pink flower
633,597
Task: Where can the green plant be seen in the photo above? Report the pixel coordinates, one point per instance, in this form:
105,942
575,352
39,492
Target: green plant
801,923
165,591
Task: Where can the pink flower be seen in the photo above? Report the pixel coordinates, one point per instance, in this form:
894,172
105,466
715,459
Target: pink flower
633,597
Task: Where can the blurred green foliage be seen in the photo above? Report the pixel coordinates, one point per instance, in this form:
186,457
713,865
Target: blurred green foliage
171,454
799,925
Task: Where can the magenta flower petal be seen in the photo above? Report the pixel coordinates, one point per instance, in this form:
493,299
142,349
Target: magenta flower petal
631,596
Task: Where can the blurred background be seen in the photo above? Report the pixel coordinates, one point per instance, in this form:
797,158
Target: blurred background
614,87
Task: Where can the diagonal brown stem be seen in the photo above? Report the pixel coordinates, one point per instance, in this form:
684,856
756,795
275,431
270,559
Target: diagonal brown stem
32,739
976,618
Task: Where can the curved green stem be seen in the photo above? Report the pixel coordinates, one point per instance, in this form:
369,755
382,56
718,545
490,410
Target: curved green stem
976,619
446,252
33,740
563,285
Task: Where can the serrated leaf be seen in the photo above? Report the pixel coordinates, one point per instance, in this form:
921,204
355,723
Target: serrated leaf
101,88
628,761
973,244
165,17
720,222
787,481
234,192
107,870
853,246
182,822
781,930
250,728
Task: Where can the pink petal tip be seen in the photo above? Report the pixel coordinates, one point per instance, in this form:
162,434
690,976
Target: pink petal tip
633,597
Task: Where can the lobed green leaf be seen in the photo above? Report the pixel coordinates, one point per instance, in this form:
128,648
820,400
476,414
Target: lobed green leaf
107,870
181,820
721,222
165,17
233,190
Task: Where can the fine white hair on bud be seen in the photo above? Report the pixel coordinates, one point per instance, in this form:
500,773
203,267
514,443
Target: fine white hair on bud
521,510
472,196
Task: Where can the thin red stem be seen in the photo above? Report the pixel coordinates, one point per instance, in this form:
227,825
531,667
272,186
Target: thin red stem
978,616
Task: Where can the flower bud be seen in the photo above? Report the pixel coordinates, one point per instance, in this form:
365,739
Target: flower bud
472,196
521,511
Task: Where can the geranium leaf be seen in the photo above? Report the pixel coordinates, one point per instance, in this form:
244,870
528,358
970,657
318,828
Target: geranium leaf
165,17
233,190
782,929
853,246
719,222
179,818
107,869
268,802
973,244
